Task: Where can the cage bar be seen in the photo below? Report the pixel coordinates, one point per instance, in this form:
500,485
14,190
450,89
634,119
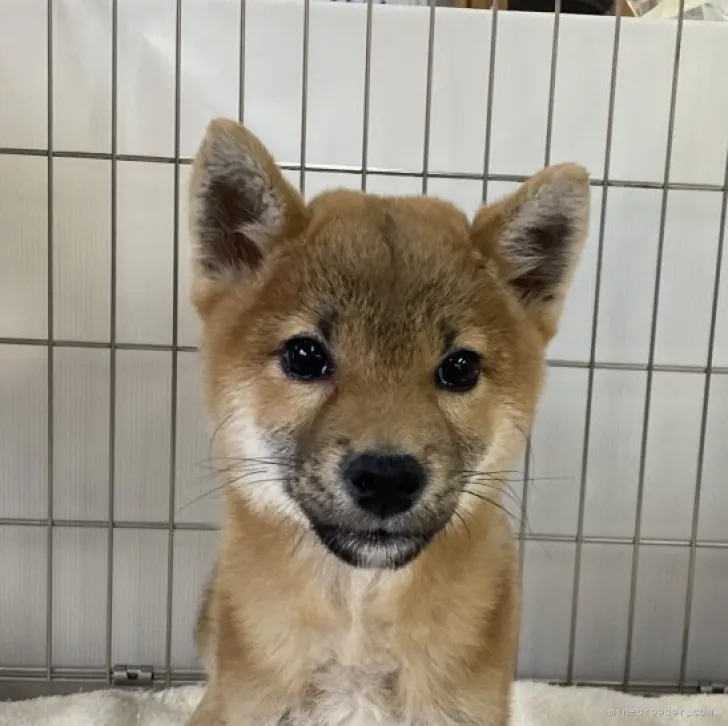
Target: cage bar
31,681
304,95
593,354
653,342
112,339
241,61
175,335
428,96
49,523
204,527
367,94
489,99
552,362
372,171
552,83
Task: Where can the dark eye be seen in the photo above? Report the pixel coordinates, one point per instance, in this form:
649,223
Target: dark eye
459,371
306,359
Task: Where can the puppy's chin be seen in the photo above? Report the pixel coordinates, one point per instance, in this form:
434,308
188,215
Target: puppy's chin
374,549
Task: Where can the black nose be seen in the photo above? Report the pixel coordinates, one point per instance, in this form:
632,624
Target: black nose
384,484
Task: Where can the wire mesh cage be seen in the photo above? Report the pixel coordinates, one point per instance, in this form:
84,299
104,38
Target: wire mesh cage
108,511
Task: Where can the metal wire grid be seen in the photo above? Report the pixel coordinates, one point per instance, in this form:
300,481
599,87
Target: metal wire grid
52,675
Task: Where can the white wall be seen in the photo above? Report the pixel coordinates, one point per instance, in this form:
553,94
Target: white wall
144,238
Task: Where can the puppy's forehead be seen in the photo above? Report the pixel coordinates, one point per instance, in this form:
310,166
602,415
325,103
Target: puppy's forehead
402,248
374,260
401,221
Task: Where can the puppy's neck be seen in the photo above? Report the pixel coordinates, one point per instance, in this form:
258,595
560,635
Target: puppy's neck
287,555
284,558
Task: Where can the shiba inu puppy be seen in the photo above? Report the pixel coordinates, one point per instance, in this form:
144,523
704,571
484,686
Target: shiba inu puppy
372,366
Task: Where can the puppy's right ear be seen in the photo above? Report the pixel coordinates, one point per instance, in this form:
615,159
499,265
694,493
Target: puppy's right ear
240,204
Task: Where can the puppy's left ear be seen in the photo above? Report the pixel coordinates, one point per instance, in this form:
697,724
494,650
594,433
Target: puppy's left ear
241,207
535,236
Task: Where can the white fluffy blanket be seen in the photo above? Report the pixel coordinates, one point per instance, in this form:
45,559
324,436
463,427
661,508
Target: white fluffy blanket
535,704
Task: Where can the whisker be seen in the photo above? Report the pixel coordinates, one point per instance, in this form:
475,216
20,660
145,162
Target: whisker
507,491
495,472
275,459
493,503
530,457
464,523
255,482
214,490
298,542
243,472
217,430
520,519
232,481
490,475
232,462
499,485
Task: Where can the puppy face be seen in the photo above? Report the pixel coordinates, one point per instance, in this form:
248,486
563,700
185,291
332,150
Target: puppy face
372,362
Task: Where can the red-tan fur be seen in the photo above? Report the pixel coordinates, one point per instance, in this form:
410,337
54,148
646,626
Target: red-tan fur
292,634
